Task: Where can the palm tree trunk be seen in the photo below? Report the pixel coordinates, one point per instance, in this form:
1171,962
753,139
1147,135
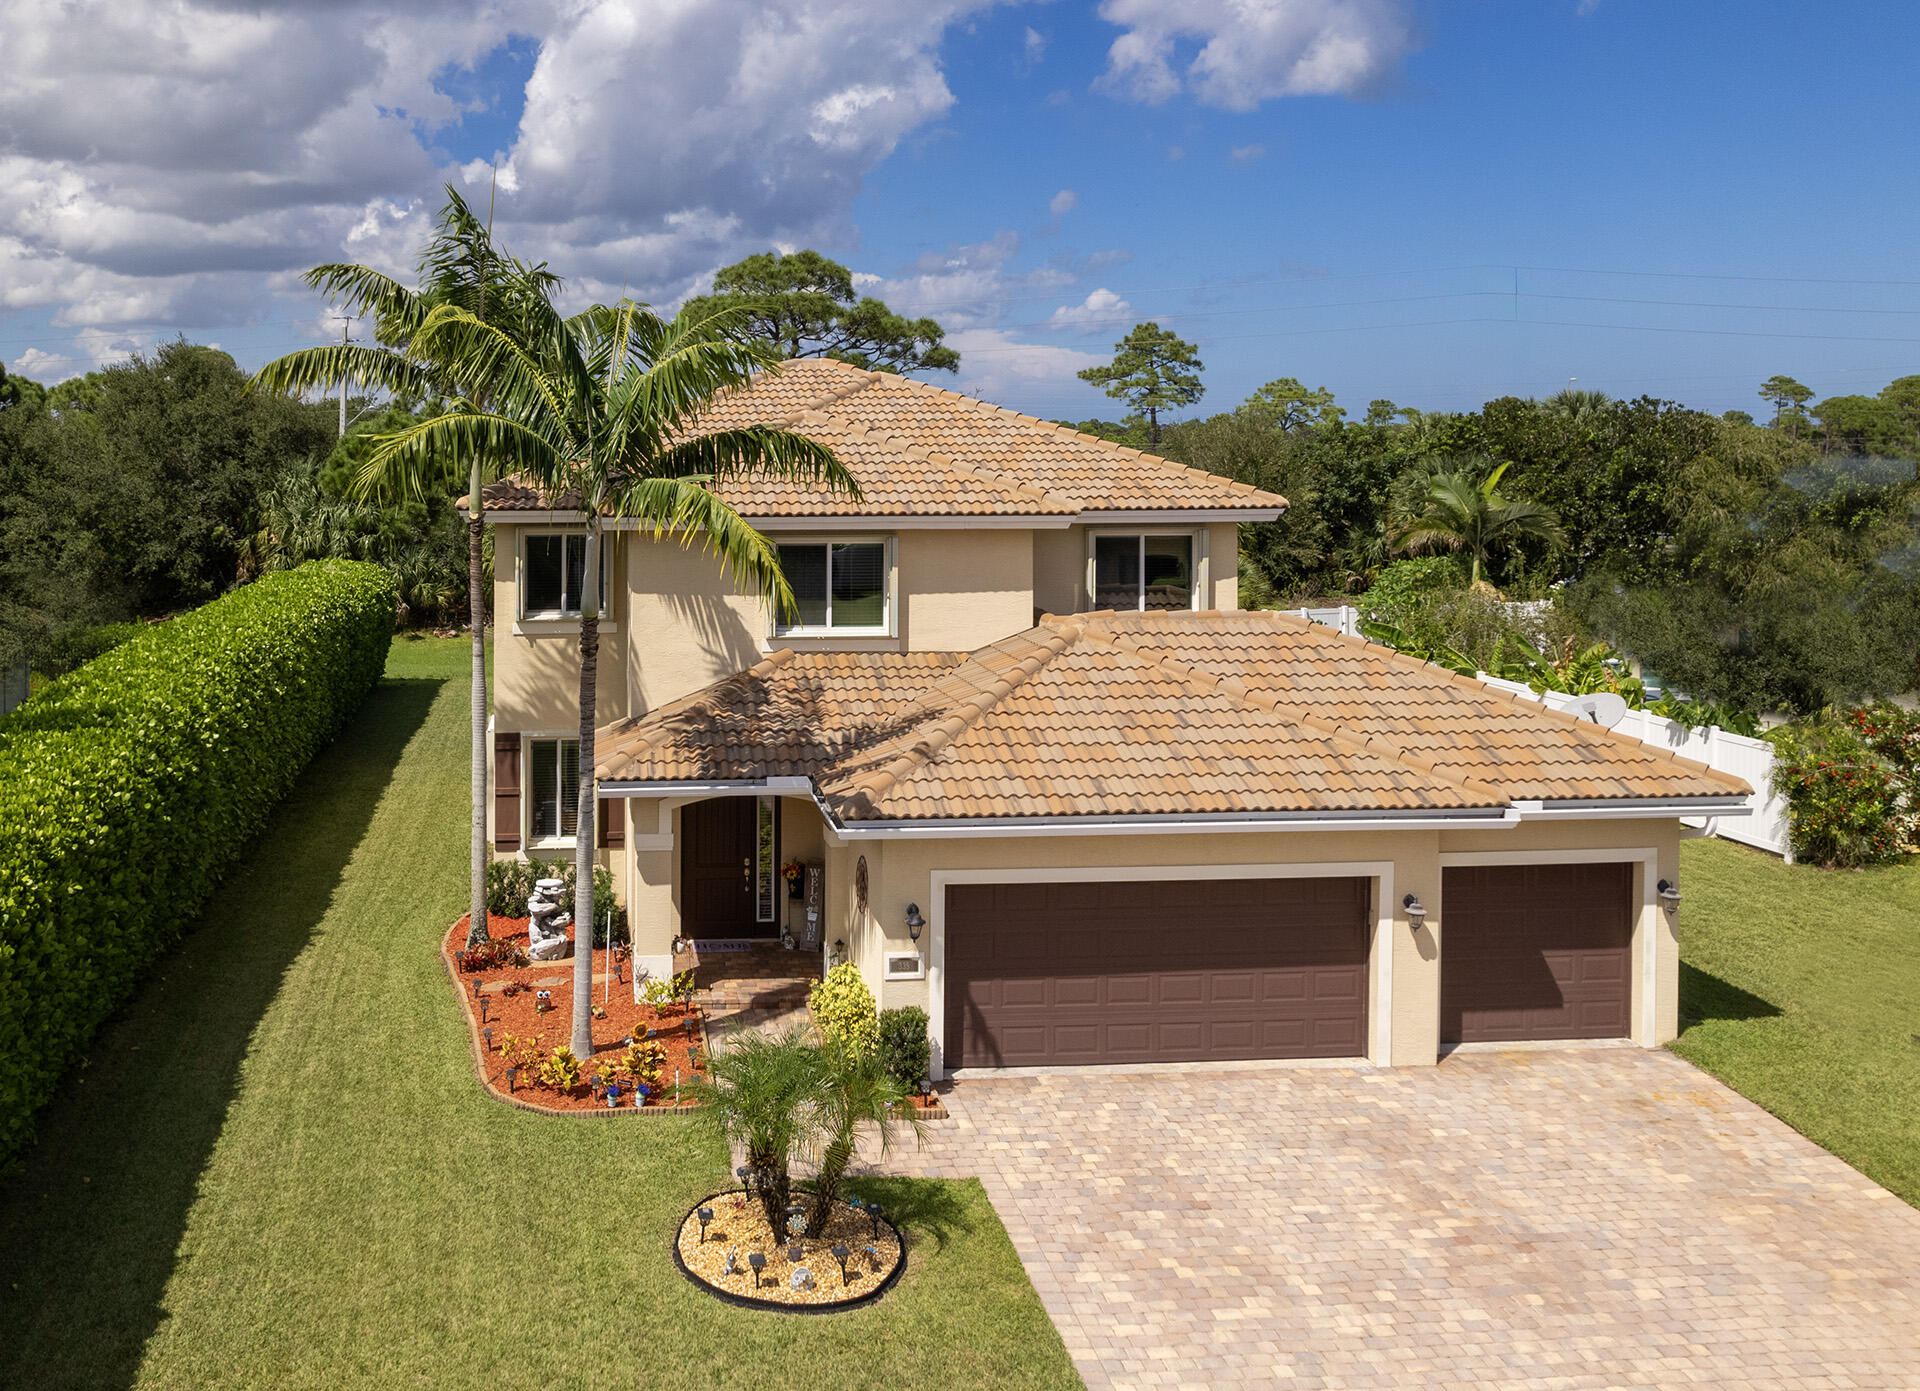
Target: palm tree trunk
588,821
477,618
833,1167
774,1185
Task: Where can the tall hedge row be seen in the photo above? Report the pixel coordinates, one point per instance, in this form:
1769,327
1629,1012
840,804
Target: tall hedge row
128,787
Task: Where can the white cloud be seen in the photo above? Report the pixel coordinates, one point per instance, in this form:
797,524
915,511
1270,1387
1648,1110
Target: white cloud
1248,154
1253,50
43,367
1034,45
182,160
1098,311
995,366
968,285
1063,202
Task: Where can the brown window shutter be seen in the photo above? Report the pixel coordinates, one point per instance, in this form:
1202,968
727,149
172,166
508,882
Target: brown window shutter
613,823
506,792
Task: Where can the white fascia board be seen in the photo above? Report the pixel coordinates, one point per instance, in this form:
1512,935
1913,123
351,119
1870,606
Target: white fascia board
612,788
512,514
1120,517
1163,825
957,521
1627,808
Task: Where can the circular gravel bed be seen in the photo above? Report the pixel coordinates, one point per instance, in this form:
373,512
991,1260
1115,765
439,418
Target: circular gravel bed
876,1256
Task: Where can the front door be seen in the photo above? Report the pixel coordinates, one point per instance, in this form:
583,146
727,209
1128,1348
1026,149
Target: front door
716,868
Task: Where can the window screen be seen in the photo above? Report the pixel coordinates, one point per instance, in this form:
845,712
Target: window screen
553,774
838,584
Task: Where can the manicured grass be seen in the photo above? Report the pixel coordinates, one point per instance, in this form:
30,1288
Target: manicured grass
1800,988
277,1168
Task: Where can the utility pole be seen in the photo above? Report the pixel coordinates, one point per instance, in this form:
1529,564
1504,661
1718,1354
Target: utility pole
345,319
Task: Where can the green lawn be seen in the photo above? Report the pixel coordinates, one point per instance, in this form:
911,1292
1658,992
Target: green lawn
1800,988
278,1170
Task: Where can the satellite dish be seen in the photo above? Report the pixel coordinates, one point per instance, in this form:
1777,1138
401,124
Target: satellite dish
1603,708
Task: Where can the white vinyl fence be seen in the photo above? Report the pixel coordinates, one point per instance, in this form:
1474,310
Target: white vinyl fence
1752,759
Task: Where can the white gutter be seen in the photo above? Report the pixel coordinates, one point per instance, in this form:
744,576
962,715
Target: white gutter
1109,516
735,788
1199,823
946,521
1624,808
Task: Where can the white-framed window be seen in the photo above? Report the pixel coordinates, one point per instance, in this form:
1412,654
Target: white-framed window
1145,570
553,573
841,587
552,793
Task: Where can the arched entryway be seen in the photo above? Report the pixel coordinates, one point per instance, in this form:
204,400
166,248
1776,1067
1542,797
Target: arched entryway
730,867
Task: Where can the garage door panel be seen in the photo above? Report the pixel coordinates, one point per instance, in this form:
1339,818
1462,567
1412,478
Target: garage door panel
1185,970
1535,952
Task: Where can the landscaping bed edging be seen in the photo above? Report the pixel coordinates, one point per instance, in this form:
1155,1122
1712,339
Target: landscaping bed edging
783,1306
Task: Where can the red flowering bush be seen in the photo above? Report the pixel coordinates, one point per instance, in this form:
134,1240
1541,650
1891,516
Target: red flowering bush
1850,786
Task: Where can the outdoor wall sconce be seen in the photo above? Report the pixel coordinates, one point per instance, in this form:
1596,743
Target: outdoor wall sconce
1669,894
1416,912
914,921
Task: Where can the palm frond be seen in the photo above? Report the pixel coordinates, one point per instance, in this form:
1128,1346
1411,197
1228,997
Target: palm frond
446,447
358,364
684,509
490,362
760,451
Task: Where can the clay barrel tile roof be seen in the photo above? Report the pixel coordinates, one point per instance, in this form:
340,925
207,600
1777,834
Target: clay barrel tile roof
1109,714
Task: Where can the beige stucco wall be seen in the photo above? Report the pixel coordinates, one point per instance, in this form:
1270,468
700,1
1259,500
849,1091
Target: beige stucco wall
960,590
536,677
1223,565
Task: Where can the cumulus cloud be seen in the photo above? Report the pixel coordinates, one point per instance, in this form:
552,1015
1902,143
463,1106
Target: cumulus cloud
1099,310
969,284
1248,154
1063,202
1033,45
1252,51
996,366
182,160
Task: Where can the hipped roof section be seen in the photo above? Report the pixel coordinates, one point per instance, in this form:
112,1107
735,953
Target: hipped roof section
918,450
1106,714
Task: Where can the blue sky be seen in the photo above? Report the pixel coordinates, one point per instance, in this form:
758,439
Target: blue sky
1495,197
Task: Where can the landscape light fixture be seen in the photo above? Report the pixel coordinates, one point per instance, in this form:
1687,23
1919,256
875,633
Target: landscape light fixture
759,1263
705,1215
487,1034
1669,894
914,921
873,1211
1416,912
840,1254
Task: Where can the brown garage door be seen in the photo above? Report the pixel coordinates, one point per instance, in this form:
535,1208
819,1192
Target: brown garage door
1535,952
1156,972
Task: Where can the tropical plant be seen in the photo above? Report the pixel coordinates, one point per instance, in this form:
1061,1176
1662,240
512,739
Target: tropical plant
460,268
764,1093
843,1007
663,992
857,1096
1464,510
601,411
1848,805
560,1070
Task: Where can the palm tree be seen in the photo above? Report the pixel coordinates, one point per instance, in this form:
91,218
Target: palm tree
857,1094
1577,405
763,1093
1463,510
460,267
600,411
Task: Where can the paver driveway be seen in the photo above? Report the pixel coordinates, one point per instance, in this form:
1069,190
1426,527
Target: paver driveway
1595,1218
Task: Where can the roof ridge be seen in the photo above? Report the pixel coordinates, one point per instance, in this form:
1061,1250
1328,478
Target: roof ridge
1232,485
1234,688
966,713
1448,676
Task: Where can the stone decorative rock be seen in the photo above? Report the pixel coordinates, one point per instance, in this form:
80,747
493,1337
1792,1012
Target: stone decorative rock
733,1261
801,1279
548,922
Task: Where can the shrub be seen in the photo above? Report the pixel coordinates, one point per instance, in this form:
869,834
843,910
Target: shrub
560,1070
843,1007
905,1050
510,884
129,787
490,954
1847,804
664,991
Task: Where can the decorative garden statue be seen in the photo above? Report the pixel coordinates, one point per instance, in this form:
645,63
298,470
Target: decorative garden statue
547,928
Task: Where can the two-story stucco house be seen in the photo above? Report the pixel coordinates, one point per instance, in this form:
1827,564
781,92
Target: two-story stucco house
1064,793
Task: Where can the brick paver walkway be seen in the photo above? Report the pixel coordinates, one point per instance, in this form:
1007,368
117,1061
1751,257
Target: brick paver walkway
1595,1218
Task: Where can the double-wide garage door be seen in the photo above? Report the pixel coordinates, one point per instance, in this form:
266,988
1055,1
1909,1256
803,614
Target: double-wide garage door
1164,971
1535,952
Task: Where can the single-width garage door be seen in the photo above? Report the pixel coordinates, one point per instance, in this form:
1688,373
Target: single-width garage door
1535,952
1167,971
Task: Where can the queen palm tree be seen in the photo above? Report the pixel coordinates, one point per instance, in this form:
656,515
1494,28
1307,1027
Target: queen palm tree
461,267
1462,509
600,410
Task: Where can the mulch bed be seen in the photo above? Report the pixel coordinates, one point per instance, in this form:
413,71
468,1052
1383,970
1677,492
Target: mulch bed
678,1031
875,1255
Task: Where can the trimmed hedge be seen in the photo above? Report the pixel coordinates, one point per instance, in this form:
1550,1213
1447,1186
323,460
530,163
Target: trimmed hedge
129,787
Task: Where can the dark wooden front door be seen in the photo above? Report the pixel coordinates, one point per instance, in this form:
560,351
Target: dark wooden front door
1535,952
716,869
1166,971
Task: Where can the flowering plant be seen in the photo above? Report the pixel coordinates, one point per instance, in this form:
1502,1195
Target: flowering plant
791,871
1850,786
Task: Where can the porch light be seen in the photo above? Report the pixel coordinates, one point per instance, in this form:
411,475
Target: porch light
1416,912
1669,894
914,921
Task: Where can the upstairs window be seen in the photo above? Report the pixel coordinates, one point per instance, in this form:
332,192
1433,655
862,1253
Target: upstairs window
553,789
838,586
556,573
1143,572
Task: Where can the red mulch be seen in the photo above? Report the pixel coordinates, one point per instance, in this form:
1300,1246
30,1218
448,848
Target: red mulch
676,1030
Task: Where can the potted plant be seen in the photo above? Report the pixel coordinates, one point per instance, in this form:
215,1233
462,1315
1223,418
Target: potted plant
795,875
